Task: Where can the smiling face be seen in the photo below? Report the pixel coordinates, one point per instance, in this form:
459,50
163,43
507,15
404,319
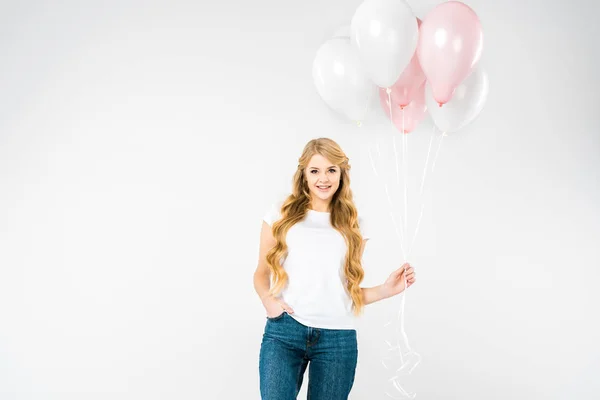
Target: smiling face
323,179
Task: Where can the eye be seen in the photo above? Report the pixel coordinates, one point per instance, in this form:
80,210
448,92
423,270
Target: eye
333,170
314,170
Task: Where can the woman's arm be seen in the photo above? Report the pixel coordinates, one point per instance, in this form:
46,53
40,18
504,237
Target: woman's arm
396,283
262,274
372,294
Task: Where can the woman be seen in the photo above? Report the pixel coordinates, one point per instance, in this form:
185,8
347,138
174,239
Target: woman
311,248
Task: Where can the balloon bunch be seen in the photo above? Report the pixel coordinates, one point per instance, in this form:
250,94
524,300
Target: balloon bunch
416,66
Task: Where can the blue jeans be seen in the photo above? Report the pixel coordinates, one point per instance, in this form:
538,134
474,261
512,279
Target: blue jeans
288,347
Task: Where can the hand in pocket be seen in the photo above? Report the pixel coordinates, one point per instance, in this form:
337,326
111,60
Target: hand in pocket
275,306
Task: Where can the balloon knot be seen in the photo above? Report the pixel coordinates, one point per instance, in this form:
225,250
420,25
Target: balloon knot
388,90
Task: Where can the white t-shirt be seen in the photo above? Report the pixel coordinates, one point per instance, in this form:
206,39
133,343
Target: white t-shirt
315,267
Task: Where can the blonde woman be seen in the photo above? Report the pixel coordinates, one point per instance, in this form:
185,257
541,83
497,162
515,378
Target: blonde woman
308,279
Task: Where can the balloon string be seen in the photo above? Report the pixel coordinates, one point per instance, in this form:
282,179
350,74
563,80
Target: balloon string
402,234
366,110
394,140
423,181
388,90
405,167
409,358
427,160
402,224
424,175
438,150
389,199
407,364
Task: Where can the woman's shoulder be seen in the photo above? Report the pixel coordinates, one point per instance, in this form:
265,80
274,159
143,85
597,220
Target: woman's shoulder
273,212
364,226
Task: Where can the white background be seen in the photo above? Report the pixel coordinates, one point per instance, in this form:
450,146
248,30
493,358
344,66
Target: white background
141,144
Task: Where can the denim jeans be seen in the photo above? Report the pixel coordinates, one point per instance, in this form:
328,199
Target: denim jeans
288,347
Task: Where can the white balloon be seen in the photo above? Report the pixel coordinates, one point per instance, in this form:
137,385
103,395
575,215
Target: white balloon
386,33
464,106
341,80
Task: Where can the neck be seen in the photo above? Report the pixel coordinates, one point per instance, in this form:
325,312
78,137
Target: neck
320,205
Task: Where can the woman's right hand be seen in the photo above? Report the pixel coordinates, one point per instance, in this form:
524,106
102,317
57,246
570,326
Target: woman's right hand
275,306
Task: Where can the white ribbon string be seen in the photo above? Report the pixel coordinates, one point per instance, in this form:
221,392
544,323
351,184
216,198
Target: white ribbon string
408,358
401,353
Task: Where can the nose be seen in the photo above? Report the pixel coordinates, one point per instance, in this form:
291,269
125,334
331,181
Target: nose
322,178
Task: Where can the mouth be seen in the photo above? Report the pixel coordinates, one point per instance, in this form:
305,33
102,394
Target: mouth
324,188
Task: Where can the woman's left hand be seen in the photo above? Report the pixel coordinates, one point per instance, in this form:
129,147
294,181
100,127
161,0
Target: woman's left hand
395,283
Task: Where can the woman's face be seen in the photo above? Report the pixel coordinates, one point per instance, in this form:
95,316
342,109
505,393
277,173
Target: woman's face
323,177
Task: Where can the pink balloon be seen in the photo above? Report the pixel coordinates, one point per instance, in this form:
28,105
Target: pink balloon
409,82
450,44
414,112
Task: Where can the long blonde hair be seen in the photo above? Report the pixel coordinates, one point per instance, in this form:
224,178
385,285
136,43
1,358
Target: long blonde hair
343,217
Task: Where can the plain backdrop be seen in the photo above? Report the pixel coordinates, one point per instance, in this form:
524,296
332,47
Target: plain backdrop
141,144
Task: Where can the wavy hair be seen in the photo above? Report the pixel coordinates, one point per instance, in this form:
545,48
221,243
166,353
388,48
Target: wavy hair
343,218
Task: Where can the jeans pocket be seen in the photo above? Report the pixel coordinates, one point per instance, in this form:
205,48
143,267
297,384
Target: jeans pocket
276,318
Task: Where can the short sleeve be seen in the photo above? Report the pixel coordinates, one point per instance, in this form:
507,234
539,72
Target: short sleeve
363,226
273,214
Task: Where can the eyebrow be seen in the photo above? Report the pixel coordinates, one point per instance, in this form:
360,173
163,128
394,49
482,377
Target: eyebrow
333,166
